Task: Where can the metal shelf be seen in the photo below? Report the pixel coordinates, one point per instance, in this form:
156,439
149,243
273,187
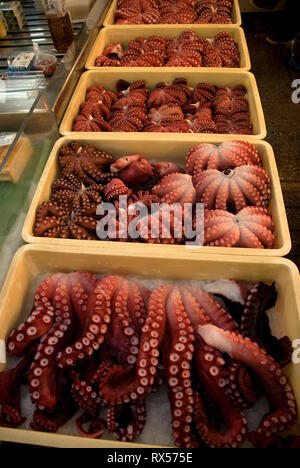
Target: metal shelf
36,29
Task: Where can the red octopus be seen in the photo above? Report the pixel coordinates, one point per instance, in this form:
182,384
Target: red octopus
221,51
145,52
184,51
233,189
137,12
175,188
231,110
86,162
177,11
252,227
202,109
165,93
166,118
214,11
133,170
228,155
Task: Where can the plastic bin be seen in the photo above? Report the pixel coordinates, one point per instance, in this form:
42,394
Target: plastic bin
110,17
34,260
153,76
110,35
165,148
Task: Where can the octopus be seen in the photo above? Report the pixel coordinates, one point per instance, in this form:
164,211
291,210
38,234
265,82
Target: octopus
255,323
233,189
115,188
135,108
221,51
202,121
231,110
111,56
137,12
175,188
228,155
251,227
177,11
142,52
86,162
165,93
90,344
184,51
214,11
80,198
55,220
129,113
133,170
166,118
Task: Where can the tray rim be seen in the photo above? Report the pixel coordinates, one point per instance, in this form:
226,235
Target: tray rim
242,43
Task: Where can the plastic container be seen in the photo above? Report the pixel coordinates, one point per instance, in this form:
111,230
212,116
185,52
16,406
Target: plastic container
110,17
45,62
165,148
33,260
153,76
109,35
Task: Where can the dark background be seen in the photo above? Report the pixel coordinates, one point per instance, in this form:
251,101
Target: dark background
274,78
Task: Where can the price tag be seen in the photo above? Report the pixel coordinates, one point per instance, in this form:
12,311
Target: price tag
2,92
55,7
7,138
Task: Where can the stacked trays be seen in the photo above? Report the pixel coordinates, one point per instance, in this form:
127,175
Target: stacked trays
152,262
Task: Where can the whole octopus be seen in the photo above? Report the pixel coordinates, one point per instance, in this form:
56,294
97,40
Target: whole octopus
174,12
186,50
169,107
100,346
228,179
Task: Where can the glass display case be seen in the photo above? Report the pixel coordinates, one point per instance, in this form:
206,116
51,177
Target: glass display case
30,114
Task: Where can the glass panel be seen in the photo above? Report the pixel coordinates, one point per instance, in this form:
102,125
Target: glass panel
25,160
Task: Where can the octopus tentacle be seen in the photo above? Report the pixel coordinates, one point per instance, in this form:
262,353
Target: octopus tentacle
96,429
212,373
98,318
63,411
255,323
283,413
44,369
131,420
39,320
178,374
121,385
10,390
